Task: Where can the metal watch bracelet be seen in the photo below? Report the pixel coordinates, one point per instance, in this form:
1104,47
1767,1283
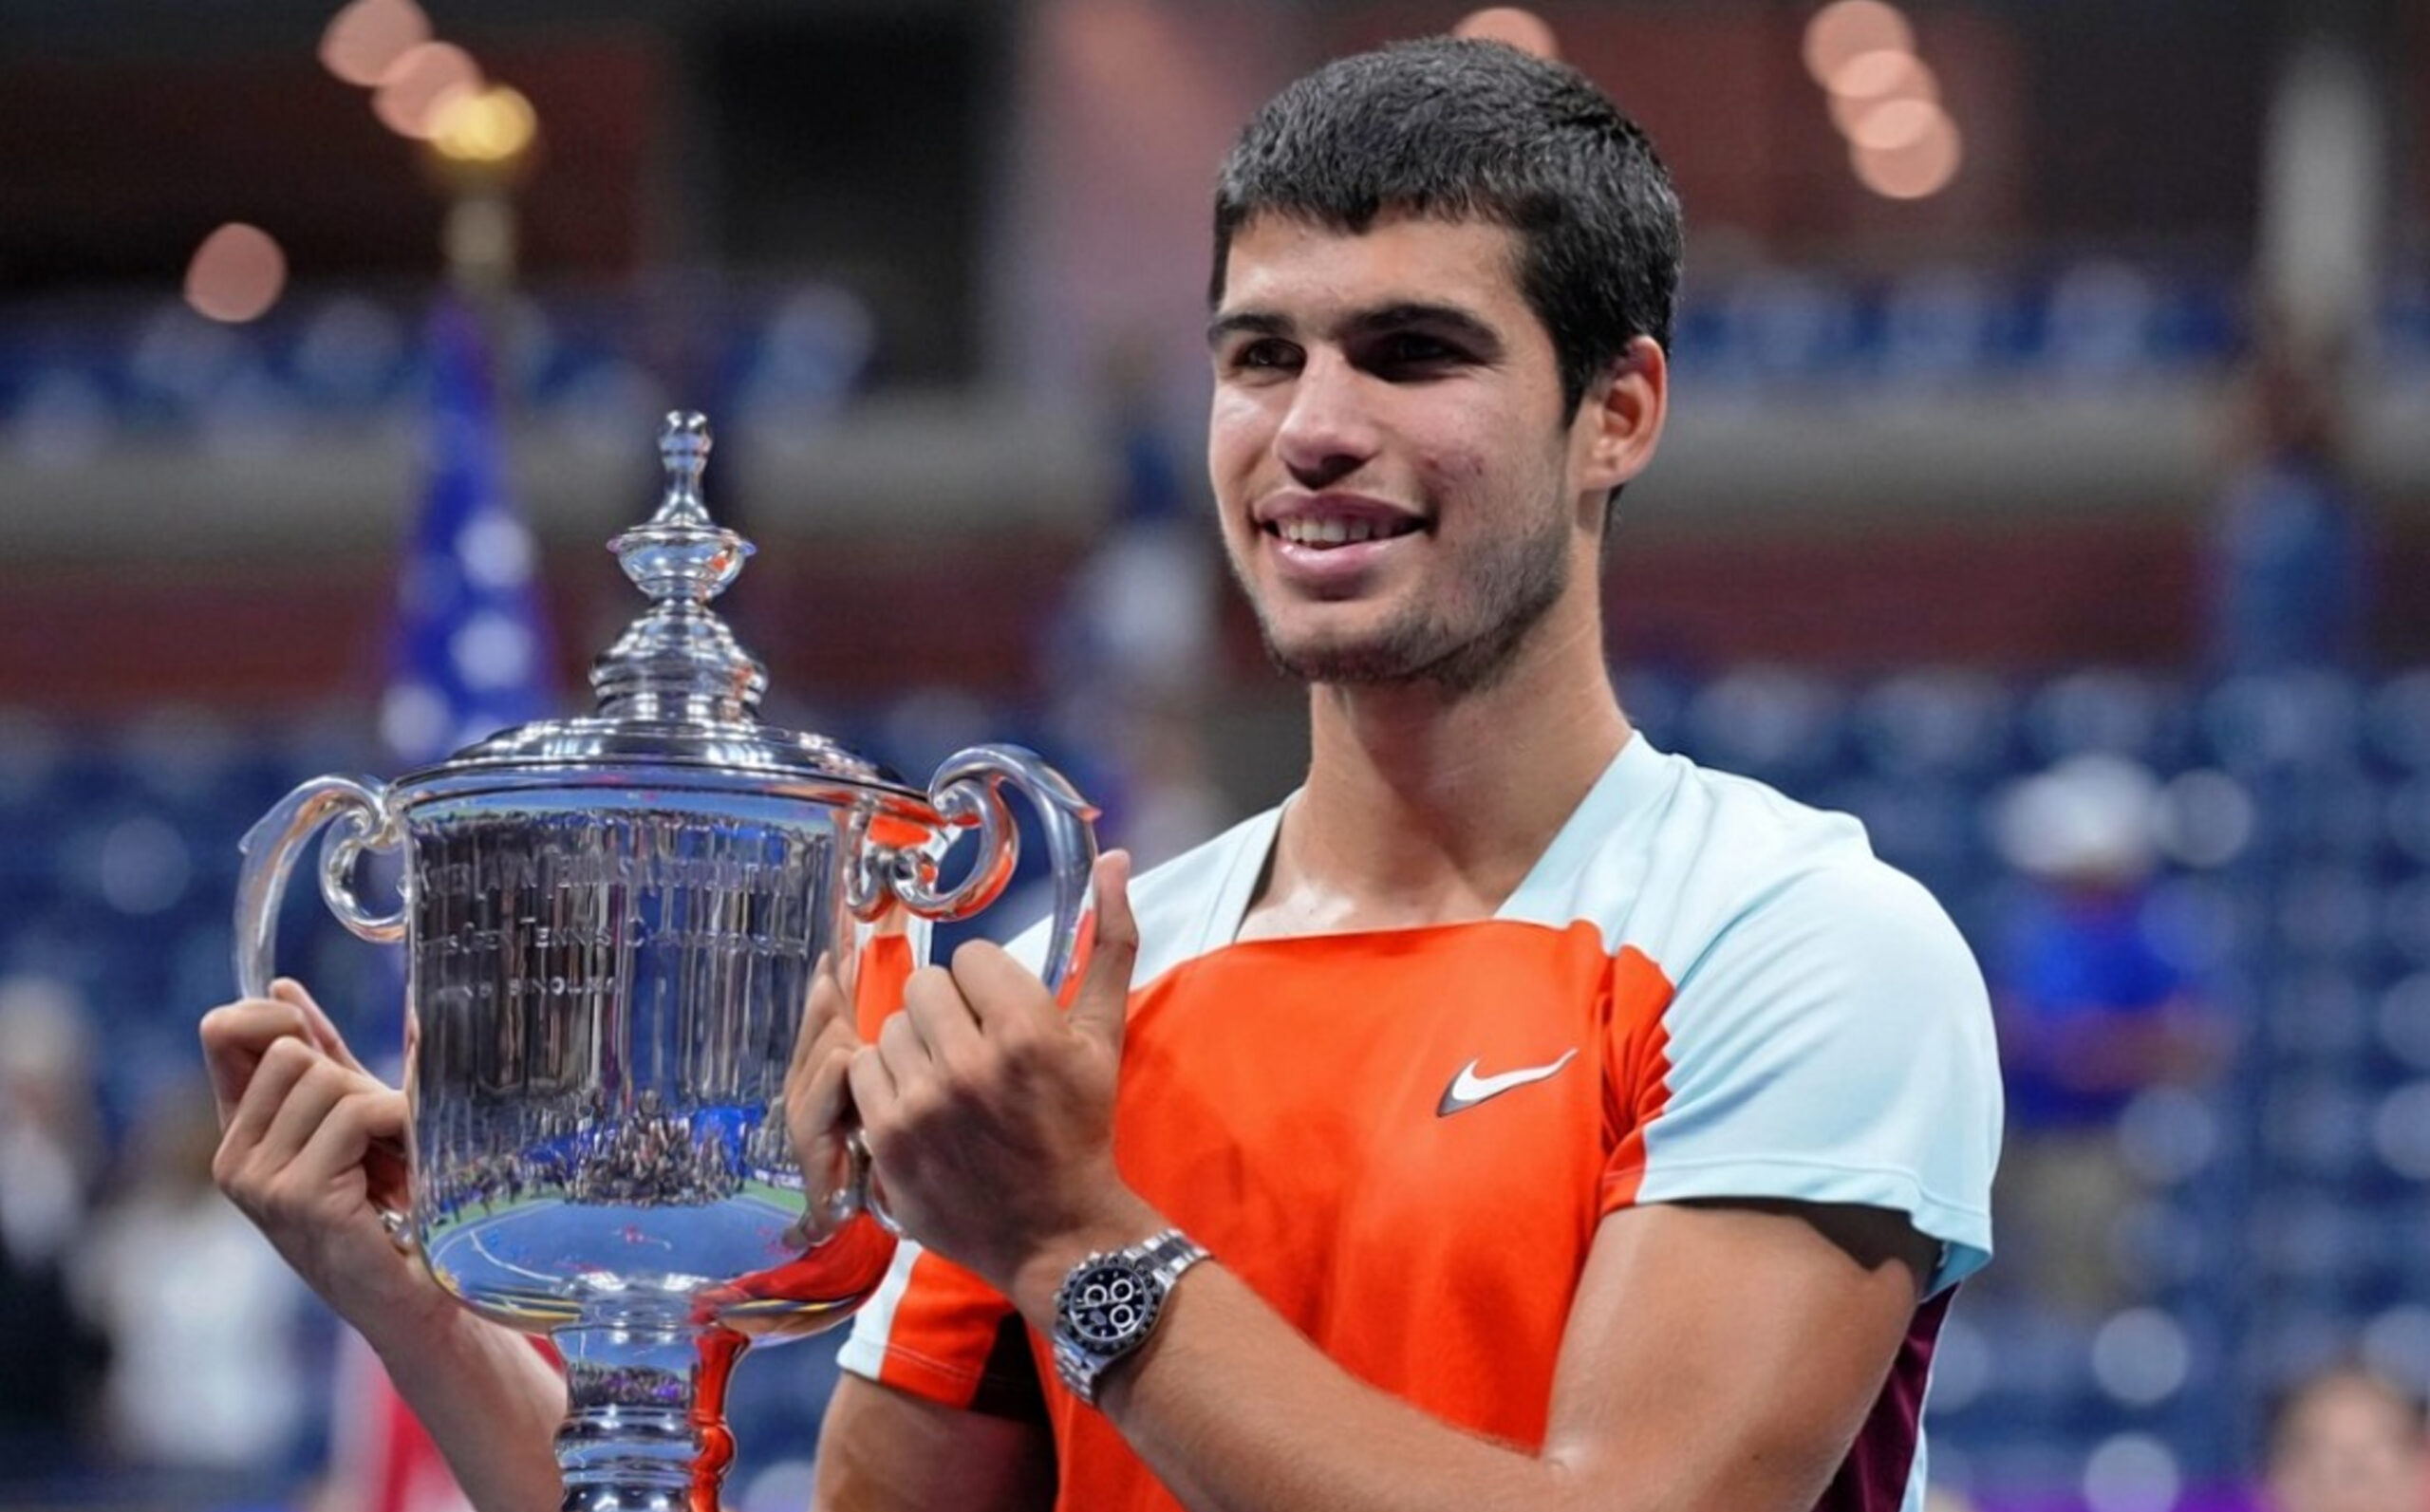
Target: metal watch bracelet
1111,1301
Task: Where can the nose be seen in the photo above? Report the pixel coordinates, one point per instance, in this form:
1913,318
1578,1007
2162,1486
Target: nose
1328,432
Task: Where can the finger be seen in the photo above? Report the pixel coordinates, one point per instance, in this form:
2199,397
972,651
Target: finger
1104,998
235,1036
306,1107
386,1123
814,1092
1001,992
901,1050
826,1011
826,1103
283,1064
360,1119
945,1019
872,1085
325,1033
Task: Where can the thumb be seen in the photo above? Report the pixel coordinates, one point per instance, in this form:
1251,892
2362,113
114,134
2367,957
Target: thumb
1104,998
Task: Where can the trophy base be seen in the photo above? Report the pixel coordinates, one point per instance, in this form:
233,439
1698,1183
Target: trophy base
644,1429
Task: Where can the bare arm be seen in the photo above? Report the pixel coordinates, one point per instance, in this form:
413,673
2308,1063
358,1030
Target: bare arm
309,1152
1717,1357
883,1450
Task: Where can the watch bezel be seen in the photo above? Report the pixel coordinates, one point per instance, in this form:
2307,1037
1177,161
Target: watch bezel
1082,1355
1075,1310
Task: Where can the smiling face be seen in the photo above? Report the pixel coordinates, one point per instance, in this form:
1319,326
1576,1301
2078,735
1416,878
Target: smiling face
1404,495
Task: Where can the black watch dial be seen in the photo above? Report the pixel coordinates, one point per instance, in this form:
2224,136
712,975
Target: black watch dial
1108,1305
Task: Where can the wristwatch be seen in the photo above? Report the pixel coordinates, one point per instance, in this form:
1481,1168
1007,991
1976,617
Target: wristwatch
1109,1304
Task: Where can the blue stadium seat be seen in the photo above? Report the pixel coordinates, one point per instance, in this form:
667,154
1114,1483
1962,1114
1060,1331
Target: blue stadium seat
2108,711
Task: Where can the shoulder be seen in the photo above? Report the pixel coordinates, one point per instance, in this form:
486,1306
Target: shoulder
1769,900
1667,857
1828,1037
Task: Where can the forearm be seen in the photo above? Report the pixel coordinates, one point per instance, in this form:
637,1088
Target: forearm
1235,1411
491,1403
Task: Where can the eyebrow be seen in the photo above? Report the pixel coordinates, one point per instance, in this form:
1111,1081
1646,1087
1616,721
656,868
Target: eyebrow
1401,316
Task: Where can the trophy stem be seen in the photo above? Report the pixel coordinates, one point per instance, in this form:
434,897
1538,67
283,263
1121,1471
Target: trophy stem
644,1429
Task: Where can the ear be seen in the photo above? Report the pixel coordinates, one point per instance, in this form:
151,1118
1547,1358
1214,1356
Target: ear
1620,418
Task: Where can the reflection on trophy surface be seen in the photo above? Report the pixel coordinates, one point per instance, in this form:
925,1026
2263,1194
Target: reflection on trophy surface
615,926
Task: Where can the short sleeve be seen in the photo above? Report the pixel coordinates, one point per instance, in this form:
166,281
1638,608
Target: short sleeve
940,1333
1833,1043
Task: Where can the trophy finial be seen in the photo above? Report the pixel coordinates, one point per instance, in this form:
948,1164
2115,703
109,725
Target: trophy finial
682,554
683,444
679,656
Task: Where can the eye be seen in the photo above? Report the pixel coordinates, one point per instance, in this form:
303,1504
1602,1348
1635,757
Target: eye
1413,353
1262,354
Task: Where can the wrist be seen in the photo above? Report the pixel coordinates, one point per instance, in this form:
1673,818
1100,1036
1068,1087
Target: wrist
425,1327
1112,1306
1037,1279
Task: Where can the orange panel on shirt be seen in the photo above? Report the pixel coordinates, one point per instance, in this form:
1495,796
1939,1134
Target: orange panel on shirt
1280,1102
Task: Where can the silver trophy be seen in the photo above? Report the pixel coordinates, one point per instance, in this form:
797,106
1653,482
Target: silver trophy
611,926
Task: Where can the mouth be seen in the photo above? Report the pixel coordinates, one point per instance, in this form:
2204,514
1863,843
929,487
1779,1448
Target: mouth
1318,523
1326,531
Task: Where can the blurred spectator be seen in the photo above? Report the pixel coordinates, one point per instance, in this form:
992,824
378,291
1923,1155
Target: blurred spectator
2288,557
1135,647
2347,1440
1142,613
2091,1010
50,1152
207,1375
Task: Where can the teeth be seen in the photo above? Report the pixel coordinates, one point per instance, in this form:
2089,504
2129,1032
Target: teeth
1334,532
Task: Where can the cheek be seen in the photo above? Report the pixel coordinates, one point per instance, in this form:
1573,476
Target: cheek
1238,430
1462,467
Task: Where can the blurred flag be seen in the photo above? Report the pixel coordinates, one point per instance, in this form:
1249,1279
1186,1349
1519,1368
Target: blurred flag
472,656
473,651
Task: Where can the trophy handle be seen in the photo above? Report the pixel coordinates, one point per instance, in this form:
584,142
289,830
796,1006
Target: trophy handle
969,787
366,822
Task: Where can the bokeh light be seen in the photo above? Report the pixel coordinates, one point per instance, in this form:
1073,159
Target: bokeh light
236,274
1895,124
1920,168
491,125
2140,1356
362,40
417,88
1884,74
1849,30
2131,1472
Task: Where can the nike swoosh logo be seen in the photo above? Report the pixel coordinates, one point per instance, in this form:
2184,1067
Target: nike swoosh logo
1467,1088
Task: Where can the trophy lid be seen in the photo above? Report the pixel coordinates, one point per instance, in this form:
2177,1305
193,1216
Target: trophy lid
676,690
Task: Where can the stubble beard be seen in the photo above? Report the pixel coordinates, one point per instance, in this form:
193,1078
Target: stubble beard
1511,591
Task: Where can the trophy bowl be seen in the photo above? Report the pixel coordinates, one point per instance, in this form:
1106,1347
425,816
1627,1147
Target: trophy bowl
613,925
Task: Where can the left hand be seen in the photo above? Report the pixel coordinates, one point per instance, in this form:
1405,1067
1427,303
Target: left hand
818,1117
989,1112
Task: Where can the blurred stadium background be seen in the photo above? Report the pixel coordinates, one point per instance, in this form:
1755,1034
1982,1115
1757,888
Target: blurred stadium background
2053,381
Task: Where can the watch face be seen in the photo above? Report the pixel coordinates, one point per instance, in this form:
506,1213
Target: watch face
1108,1305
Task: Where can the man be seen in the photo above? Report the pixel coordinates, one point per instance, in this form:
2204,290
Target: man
1559,1125
2347,1440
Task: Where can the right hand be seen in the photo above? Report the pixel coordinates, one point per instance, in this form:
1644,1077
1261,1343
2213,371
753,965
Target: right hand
311,1149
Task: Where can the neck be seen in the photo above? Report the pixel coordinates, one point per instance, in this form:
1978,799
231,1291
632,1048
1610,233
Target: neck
1424,805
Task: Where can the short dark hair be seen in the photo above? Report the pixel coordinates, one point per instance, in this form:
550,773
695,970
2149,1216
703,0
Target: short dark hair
1473,130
